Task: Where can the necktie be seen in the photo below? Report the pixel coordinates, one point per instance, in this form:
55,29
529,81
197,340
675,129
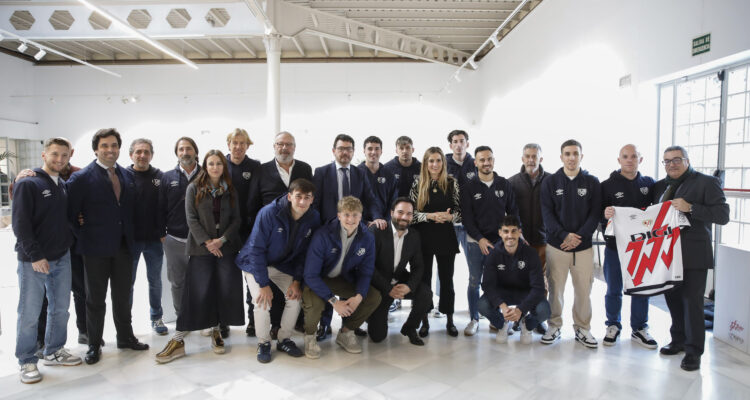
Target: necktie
115,182
345,188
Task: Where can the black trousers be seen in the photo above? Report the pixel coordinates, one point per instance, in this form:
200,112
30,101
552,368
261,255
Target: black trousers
116,271
79,298
685,305
445,273
377,323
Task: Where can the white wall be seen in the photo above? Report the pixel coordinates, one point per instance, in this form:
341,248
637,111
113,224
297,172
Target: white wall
16,104
318,102
556,76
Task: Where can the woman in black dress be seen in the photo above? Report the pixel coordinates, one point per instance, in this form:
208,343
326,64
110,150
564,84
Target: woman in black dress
437,199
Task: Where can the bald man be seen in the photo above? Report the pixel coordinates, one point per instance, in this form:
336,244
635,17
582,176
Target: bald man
625,187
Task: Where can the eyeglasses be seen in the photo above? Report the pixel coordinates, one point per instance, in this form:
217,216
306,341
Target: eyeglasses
345,149
674,161
279,144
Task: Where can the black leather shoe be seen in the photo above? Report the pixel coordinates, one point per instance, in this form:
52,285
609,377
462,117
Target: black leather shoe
690,362
412,335
672,349
424,331
224,331
93,355
541,328
360,332
451,330
132,344
250,330
323,332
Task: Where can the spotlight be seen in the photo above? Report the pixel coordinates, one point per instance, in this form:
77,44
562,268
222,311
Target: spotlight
38,56
494,40
457,78
473,63
23,47
124,100
420,97
133,99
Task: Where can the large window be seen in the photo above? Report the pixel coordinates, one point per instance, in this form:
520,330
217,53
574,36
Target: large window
709,115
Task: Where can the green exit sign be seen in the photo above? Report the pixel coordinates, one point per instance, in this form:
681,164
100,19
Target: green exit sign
702,44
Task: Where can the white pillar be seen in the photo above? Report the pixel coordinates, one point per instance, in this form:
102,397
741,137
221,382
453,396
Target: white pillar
273,89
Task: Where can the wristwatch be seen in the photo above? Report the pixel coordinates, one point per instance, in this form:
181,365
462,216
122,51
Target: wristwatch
690,210
333,300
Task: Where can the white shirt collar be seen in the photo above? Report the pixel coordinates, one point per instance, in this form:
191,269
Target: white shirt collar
339,166
99,163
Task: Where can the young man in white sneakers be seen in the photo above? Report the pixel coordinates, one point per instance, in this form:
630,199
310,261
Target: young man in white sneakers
571,206
513,284
625,187
40,223
275,253
340,262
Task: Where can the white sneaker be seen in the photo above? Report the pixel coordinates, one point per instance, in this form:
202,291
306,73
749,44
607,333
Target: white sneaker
472,328
30,373
611,336
62,357
525,333
584,337
312,350
437,314
643,338
551,335
501,336
348,341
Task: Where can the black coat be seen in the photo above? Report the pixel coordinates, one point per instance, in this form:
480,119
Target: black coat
709,207
527,194
411,253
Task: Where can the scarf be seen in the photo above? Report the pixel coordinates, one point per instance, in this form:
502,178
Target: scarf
217,191
674,184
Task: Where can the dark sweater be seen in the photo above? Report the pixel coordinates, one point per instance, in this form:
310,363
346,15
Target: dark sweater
527,192
383,184
148,219
483,208
571,206
620,191
463,172
242,179
405,176
513,279
40,218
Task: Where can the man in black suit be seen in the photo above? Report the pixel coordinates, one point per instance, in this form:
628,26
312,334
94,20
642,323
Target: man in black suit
102,196
395,247
702,200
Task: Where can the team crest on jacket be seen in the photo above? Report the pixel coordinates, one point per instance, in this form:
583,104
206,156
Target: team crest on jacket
397,176
334,250
521,264
174,183
499,193
309,232
46,193
381,179
156,182
247,175
280,230
620,195
477,196
559,192
470,175
644,190
501,267
582,191
361,251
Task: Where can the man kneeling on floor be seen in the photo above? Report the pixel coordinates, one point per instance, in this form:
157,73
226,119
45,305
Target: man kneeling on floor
274,253
340,262
513,284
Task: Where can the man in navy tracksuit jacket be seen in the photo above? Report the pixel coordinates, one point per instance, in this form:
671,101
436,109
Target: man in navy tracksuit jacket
43,235
571,208
103,194
340,262
382,181
625,187
513,277
404,167
486,199
275,253
172,190
148,226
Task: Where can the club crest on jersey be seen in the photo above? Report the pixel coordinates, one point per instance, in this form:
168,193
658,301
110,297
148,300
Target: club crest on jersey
470,175
521,264
644,190
582,191
559,192
361,251
397,176
174,183
247,175
501,267
46,193
477,196
381,179
280,230
499,193
647,222
619,195
156,182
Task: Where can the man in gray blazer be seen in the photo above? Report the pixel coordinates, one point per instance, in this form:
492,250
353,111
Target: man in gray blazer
702,200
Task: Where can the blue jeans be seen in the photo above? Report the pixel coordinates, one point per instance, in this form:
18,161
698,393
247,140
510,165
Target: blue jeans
533,318
475,259
153,253
613,298
32,286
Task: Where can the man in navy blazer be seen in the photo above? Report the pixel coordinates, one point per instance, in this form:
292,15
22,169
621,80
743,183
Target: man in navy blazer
101,207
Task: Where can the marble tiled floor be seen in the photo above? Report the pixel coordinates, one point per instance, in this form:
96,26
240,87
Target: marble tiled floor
446,368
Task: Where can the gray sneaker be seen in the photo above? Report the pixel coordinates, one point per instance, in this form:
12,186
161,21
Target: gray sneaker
349,342
158,326
312,350
62,357
30,374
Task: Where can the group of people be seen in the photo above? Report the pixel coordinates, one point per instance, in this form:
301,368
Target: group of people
351,239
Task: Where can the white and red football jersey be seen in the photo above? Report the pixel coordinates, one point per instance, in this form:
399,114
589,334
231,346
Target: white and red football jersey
648,243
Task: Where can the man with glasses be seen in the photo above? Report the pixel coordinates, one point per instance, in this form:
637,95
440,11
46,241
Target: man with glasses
702,200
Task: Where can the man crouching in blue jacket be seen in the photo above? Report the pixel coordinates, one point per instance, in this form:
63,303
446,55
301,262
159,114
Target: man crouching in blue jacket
340,262
275,253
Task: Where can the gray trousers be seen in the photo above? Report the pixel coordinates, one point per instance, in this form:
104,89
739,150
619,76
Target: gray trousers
177,263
